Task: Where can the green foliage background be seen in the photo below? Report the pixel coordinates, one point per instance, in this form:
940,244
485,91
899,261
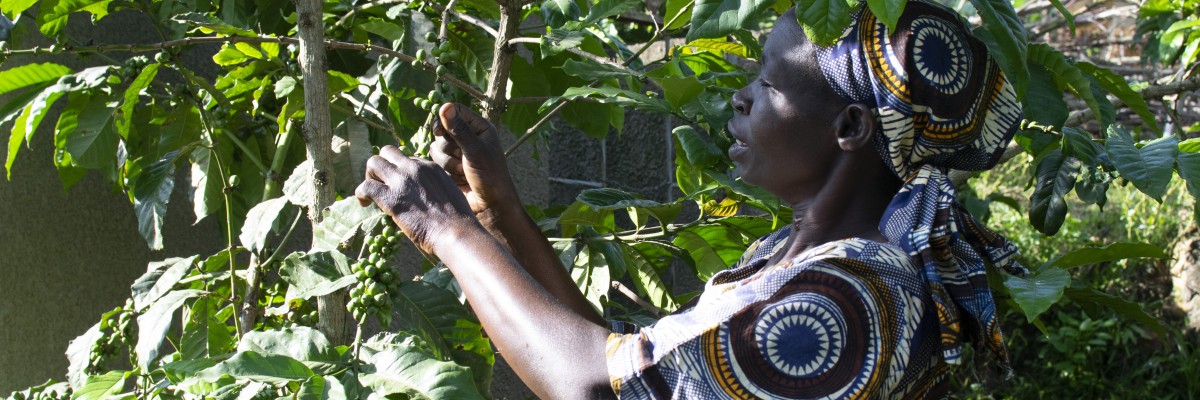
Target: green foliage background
244,328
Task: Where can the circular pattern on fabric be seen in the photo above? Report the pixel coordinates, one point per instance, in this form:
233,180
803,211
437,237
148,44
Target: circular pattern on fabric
940,55
802,335
817,337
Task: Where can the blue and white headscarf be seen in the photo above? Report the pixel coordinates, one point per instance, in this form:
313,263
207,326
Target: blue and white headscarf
942,103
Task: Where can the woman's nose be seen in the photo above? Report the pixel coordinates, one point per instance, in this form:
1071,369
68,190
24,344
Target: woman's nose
741,104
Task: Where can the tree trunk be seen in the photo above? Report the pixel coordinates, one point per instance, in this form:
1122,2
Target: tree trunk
510,21
318,139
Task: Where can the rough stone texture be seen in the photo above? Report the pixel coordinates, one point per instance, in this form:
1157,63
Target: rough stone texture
1185,277
70,256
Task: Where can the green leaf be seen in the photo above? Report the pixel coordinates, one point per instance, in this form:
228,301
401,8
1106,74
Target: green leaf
592,276
30,75
1129,309
1117,85
699,152
1190,146
1038,291
207,185
440,320
1189,170
317,273
558,12
339,82
1148,168
29,120
1079,144
607,8
211,24
720,46
591,70
151,193
385,29
79,353
1092,187
1044,100
714,247
1112,252
297,342
179,371
85,131
267,368
403,365
1056,175
680,8
299,188
341,221
260,221
889,11
1062,9
1067,74
680,90
154,322
315,388
132,93
52,14
579,214
647,281
717,18
1006,40
10,110
559,40
613,199
99,387
204,333
13,8
160,278
229,55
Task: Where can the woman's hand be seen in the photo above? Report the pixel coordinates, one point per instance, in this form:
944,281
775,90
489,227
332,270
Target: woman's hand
418,195
468,148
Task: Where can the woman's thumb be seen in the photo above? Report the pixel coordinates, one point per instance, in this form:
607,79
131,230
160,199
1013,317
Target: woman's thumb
463,125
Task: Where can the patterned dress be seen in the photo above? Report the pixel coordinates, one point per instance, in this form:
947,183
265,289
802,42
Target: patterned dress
847,319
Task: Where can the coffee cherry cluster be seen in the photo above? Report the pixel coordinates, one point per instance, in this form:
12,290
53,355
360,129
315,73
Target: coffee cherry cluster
376,281
303,313
116,329
441,56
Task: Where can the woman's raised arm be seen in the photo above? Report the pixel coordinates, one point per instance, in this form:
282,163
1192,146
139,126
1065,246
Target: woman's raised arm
468,148
555,350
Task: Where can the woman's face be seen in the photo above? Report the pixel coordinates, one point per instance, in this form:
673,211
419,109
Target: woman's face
783,122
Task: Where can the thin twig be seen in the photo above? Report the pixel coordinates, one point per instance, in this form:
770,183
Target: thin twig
658,312
579,52
1187,85
332,44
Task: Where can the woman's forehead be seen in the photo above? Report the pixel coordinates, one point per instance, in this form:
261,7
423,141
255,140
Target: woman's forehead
788,47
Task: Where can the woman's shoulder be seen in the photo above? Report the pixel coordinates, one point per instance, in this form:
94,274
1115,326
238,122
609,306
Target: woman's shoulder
874,263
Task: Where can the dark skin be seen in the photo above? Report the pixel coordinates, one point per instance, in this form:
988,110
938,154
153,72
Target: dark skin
795,139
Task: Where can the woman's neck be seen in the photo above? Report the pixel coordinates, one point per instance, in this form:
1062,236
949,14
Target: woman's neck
850,204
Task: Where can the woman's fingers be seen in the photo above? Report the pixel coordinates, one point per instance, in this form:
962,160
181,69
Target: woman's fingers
467,128
444,154
368,191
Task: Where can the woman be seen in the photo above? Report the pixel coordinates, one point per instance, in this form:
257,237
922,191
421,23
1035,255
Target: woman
871,292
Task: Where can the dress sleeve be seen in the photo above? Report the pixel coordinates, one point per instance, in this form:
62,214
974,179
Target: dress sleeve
822,329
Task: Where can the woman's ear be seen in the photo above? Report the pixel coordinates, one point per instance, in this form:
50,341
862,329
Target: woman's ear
855,127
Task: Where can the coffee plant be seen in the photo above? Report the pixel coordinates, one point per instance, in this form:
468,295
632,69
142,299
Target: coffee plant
308,89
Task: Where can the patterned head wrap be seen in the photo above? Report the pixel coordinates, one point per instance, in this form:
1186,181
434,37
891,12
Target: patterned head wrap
942,104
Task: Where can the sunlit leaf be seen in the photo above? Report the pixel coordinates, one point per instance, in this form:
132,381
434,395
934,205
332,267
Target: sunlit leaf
316,273
160,278
30,75
717,18
154,322
260,221
403,365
